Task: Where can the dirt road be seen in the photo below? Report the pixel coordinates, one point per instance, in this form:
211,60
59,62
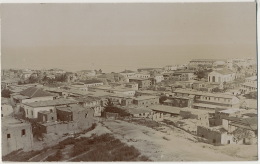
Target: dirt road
159,146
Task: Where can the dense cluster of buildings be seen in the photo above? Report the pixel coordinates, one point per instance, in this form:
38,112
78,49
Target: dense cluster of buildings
76,100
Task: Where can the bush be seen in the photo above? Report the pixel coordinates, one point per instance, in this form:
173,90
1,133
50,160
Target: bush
6,93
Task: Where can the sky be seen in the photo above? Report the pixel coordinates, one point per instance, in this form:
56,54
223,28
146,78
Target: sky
115,37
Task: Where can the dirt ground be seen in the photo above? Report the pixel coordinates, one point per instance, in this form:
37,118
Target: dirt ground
172,144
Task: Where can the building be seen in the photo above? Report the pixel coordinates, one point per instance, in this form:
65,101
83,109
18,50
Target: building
74,112
16,135
79,86
244,130
220,76
146,101
128,74
179,101
170,67
199,114
142,75
205,100
46,116
140,112
121,99
183,75
6,108
142,83
32,94
157,78
31,109
233,112
93,103
6,83
166,111
215,135
250,85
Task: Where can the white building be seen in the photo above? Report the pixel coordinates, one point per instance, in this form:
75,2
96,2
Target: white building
32,109
220,76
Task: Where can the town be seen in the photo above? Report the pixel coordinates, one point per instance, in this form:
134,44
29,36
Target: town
202,110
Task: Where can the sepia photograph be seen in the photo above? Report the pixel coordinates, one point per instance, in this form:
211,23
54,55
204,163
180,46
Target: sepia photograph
131,82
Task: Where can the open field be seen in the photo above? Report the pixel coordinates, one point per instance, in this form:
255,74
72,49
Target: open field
129,141
172,144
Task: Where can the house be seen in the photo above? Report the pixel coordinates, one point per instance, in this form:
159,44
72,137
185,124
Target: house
199,114
79,86
128,74
32,94
140,112
142,83
121,99
220,76
244,130
170,67
215,135
250,85
92,103
8,82
179,101
74,112
6,107
71,118
206,86
232,112
31,109
165,111
46,116
146,101
205,100
142,75
132,85
183,75
16,135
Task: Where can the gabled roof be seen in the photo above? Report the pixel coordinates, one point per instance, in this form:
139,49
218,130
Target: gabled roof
224,71
35,92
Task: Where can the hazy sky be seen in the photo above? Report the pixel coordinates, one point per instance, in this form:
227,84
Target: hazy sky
115,37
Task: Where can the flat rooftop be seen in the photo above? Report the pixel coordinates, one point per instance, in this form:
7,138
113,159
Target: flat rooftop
55,102
165,108
145,97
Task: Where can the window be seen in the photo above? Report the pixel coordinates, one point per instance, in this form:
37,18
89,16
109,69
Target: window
51,110
32,112
23,132
8,135
2,115
52,118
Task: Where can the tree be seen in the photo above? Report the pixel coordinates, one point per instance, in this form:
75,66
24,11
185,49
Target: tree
6,93
32,79
162,99
113,109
